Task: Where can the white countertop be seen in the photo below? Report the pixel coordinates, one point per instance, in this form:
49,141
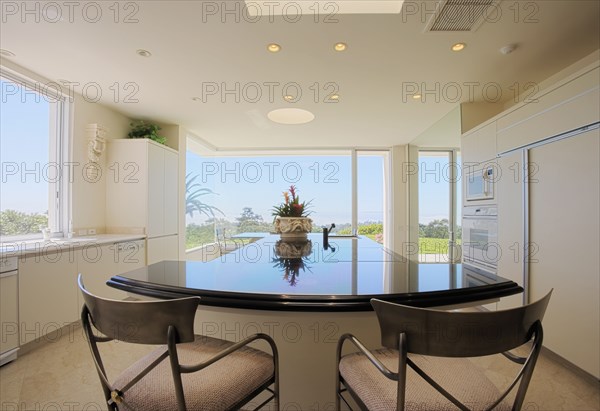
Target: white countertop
19,248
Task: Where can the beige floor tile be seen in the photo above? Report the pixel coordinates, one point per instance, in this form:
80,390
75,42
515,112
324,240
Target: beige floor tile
61,376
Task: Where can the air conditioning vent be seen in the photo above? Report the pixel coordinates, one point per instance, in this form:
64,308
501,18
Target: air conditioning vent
461,15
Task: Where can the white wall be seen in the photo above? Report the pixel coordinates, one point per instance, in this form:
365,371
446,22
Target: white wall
89,196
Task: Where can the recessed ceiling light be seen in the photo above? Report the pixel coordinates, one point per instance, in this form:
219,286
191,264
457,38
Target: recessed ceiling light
291,116
509,48
416,96
7,53
274,48
458,46
143,53
340,46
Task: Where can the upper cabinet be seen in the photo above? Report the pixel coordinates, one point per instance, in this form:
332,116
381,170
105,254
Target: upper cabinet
141,188
572,105
479,145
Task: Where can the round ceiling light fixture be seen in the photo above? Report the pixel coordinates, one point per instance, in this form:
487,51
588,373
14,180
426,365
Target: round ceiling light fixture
509,48
340,46
458,46
274,48
143,53
291,116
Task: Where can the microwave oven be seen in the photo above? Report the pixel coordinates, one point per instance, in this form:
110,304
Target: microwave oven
480,183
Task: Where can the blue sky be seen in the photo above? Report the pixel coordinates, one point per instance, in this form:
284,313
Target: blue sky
258,182
24,144
434,200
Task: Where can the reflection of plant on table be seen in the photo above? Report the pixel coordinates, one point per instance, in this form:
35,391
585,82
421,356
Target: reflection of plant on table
291,268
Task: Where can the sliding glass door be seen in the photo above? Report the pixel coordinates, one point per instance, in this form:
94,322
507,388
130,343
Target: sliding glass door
439,205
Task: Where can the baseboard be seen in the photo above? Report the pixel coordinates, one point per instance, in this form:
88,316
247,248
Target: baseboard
583,374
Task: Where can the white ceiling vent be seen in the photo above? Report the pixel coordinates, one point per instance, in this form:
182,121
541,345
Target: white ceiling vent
462,15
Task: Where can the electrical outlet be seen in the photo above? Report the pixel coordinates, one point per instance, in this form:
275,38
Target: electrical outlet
82,232
92,231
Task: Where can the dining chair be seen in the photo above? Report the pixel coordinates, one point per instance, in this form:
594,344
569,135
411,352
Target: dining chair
435,344
187,371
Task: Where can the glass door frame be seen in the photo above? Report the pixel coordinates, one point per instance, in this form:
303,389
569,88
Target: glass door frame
454,178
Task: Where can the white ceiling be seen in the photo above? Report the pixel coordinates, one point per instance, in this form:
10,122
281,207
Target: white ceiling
387,55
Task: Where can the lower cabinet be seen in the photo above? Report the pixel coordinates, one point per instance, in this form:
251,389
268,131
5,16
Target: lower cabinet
9,317
47,293
49,297
97,264
162,248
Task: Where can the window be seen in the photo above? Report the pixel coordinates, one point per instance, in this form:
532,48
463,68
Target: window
32,144
439,206
236,193
372,180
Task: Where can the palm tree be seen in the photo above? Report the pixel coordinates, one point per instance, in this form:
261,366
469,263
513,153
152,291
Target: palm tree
193,192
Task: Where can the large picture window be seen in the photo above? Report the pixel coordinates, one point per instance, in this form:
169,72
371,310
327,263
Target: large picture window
236,193
32,143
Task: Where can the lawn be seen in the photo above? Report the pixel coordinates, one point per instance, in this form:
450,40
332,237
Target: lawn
434,245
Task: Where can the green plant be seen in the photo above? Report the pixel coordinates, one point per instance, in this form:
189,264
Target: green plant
193,192
292,207
141,129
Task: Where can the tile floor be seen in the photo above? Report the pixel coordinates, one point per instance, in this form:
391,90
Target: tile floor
59,375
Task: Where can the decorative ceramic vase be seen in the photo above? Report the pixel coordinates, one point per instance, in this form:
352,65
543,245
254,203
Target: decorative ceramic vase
293,228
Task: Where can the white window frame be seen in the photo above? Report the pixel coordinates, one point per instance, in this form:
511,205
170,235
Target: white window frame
60,126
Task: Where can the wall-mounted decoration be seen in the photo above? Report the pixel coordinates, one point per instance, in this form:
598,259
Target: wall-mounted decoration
97,141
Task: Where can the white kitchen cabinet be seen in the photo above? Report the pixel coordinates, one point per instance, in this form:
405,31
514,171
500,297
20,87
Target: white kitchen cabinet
9,318
511,224
131,255
144,197
141,194
98,263
568,107
162,248
479,145
47,292
565,230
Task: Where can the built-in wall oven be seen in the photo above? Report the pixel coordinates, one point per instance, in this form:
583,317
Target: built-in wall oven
480,238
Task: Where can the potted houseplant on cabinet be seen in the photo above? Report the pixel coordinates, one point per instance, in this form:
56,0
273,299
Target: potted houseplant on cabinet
142,129
291,217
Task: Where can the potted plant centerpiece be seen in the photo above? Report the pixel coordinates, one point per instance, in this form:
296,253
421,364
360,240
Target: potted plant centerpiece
291,217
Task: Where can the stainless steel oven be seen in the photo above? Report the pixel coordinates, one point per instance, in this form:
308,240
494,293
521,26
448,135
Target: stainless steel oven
480,237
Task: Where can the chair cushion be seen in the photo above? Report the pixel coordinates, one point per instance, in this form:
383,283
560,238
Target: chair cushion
220,386
460,377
